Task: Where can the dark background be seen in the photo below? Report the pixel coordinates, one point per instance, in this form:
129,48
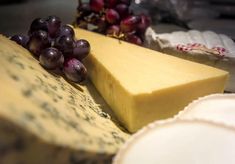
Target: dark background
16,15
15,18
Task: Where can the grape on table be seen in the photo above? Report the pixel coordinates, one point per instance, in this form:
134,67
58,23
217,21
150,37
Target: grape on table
113,18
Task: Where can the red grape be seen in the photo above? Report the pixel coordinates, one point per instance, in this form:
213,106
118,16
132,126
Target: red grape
81,49
123,10
38,41
134,39
144,23
111,3
74,70
112,16
20,39
96,5
113,30
51,58
130,23
53,26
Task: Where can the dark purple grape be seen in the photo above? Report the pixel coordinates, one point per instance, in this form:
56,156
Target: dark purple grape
74,70
144,23
127,2
81,49
112,16
96,5
21,40
38,41
123,10
84,9
65,44
38,24
51,58
53,26
134,39
111,3
130,23
101,24
113,30
66,30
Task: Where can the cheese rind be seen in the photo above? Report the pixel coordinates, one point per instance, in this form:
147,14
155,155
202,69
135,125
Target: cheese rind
215,107
142,85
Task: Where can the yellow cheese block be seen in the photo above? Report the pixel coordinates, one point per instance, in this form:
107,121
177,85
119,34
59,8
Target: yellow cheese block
45,119
142,85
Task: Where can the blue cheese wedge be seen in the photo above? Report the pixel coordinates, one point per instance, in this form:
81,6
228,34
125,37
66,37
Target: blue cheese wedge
44,119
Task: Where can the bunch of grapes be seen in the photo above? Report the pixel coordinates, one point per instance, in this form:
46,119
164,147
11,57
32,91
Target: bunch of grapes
55,46
113,18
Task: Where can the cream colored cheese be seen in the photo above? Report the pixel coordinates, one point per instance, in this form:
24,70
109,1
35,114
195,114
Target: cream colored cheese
188,141
143,85
216,107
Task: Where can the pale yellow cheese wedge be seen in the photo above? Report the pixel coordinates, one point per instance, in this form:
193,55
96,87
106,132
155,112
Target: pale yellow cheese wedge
143,85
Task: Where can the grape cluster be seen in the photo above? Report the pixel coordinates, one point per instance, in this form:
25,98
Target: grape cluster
56,48
112,18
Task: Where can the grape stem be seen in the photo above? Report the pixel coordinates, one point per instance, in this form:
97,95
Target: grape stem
120,36
102,12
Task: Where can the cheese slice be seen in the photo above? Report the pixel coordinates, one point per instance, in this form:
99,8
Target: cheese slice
216,108
142,85
188,141
45,119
